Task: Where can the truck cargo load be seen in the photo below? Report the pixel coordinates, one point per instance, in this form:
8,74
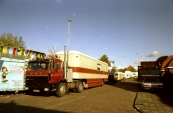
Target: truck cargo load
148,69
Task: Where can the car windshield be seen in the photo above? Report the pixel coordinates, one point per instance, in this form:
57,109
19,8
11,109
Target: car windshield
38,65
151,80
150,72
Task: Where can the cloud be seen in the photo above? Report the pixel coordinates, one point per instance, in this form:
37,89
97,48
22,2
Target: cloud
154,54
124,56
153,45
137,62
59,1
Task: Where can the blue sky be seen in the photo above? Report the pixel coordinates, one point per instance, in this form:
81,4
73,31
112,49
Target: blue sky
118,28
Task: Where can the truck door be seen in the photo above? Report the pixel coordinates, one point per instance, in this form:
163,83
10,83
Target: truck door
57,72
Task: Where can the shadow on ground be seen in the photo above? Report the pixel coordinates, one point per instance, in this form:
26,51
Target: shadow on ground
12,107
7,93
165,96
128,84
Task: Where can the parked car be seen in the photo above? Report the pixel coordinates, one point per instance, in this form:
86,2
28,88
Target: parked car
151,83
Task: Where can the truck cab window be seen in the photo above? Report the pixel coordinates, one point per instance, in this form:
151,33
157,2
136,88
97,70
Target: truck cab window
50,65
44,66
38,65
33,66
56,66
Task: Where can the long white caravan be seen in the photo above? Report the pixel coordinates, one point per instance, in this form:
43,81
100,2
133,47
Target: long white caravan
91,71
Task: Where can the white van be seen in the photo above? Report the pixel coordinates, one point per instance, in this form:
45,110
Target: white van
119,76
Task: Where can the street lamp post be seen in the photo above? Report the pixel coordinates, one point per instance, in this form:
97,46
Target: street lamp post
69,33
140,56
69,20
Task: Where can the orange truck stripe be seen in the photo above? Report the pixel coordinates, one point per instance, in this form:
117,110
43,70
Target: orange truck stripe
85,70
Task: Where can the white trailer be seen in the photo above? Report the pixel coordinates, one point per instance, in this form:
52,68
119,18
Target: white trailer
91,71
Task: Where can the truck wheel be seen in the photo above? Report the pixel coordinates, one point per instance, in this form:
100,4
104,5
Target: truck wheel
61,90
79,88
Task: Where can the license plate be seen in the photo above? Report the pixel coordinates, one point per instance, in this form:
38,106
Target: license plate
154,85
35,90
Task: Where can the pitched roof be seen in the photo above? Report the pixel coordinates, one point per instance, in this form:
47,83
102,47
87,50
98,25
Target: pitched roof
167,62
130,68
171,64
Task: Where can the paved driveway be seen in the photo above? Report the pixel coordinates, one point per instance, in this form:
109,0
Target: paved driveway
155,101
110,98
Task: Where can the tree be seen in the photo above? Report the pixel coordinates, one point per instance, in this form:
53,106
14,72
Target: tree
121,70
161,59
104,58
10,40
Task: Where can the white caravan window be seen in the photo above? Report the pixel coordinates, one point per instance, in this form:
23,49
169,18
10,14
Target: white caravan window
98,67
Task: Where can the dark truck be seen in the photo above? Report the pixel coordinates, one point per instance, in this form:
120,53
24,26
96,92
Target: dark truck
148,69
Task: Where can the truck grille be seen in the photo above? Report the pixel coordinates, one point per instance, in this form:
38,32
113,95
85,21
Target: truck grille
36,80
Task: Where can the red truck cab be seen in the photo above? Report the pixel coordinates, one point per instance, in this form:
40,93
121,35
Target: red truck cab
43,74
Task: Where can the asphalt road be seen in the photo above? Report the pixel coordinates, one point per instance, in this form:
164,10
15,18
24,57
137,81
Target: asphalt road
110,98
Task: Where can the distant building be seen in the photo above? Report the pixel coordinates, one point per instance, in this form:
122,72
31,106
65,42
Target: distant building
128,74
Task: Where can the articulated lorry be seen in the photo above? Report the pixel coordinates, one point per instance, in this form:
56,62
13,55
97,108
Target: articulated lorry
13,62
64,71
148,69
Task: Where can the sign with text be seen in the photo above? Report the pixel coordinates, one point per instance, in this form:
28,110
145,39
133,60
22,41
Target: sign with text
12,75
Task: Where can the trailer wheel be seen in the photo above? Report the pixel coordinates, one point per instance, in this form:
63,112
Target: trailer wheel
79,88
61,89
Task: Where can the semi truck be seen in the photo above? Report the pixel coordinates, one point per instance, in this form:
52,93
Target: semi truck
64,71
13,62
148,69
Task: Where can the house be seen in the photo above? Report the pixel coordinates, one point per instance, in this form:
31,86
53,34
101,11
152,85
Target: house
166,65
167,71
128,74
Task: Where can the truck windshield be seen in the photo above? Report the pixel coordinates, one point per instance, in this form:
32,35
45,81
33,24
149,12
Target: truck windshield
150,72
38,65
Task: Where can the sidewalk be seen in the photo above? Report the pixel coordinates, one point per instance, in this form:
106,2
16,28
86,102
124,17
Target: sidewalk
147,102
